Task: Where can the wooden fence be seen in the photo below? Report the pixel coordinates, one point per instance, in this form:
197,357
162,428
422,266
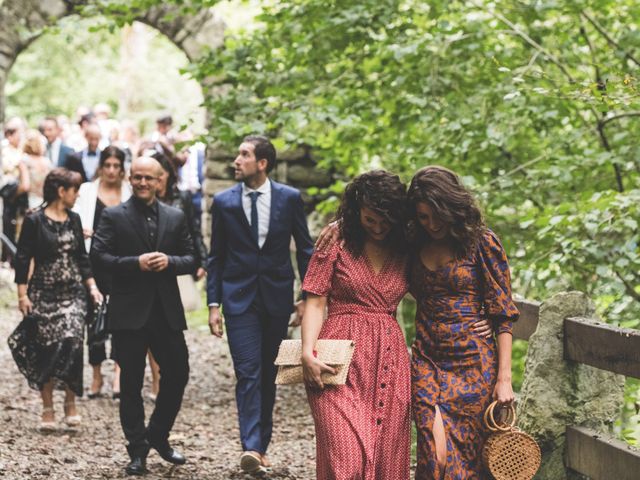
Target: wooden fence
614,349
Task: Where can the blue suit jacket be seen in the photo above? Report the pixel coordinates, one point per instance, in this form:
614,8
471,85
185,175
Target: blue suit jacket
237,267
65,151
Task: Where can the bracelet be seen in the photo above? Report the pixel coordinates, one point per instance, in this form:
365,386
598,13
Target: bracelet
93,287
23,297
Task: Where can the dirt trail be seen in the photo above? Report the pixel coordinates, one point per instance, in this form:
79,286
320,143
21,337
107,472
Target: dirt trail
206,430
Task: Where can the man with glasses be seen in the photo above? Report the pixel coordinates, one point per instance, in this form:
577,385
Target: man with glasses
145,244
251,277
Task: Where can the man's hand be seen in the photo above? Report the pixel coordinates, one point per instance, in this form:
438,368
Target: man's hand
215,321
143,261
87,232
159,261
200,273
297,320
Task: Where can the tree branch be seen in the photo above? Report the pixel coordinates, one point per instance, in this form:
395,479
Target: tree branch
527,39
611,118
628,287
611,41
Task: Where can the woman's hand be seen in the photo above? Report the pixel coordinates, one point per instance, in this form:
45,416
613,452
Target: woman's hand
200,273
328,236
483,328
24,305
87,232
313,370
96,296
503,392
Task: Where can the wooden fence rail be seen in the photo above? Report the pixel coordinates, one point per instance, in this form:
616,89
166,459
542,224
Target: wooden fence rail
615,349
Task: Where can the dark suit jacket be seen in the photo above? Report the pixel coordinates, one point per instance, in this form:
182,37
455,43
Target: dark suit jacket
74,163
237,268
120,239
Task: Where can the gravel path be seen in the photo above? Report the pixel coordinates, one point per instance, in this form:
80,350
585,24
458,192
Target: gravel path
206,430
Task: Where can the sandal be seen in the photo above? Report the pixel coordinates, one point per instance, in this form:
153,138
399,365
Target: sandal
71,420
47,425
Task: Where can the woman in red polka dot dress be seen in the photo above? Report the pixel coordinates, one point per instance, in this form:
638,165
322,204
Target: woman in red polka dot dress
363,427
460,275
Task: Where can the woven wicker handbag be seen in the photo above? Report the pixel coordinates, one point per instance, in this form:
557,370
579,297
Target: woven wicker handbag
335,353
509,453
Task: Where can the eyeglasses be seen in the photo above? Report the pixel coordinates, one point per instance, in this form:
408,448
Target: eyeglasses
139,178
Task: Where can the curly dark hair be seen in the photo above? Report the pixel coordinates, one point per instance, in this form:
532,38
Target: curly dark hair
383,193
451,203
56,178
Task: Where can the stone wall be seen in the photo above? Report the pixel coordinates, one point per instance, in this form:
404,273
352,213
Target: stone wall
557,393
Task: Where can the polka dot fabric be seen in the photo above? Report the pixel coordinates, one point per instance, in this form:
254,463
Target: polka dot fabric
362,428
452,366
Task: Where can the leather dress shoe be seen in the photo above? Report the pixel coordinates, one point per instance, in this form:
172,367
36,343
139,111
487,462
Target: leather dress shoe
168,453
137,466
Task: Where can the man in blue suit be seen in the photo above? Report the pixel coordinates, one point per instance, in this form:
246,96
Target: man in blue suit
251,277
56,151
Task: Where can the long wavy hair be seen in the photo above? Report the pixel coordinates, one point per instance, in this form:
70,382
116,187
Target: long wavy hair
454,205
383,193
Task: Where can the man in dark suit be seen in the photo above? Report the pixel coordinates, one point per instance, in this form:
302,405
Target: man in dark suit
250,275
56,151
86,162
146,244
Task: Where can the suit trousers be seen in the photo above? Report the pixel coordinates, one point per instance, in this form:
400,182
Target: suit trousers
170,351
254,339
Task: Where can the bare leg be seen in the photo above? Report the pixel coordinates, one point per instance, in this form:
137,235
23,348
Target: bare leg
116,379
96,385
69,403
155,375
440,439
47,402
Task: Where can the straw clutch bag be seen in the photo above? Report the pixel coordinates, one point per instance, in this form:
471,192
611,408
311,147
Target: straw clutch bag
335,353
509,453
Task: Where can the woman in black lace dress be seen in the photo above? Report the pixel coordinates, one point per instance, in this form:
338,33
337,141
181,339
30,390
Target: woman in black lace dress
48,344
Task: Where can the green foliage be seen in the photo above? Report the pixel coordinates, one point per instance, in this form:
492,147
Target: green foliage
135,70
535,104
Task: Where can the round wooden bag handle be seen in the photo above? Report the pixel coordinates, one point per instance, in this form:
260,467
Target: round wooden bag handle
490,420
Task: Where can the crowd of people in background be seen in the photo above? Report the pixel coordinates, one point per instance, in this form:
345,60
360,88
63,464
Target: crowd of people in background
99,150
29,154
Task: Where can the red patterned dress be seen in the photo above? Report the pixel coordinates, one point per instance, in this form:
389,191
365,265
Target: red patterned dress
363,428
452,366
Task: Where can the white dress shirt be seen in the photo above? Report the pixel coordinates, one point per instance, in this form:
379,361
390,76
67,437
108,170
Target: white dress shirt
54,152
264,208
188,177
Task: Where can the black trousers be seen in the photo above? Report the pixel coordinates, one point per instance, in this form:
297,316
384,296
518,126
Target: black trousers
170,351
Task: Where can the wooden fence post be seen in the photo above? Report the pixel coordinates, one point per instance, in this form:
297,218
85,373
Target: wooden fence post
557,393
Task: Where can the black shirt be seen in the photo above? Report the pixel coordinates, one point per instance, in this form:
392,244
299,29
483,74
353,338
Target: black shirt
150,213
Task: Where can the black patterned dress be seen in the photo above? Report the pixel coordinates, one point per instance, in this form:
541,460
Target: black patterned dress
49,343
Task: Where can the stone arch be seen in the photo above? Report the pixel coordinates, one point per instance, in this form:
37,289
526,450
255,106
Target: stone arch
23,21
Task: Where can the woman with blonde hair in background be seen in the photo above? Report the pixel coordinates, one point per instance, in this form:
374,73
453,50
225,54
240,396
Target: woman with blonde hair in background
37,167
